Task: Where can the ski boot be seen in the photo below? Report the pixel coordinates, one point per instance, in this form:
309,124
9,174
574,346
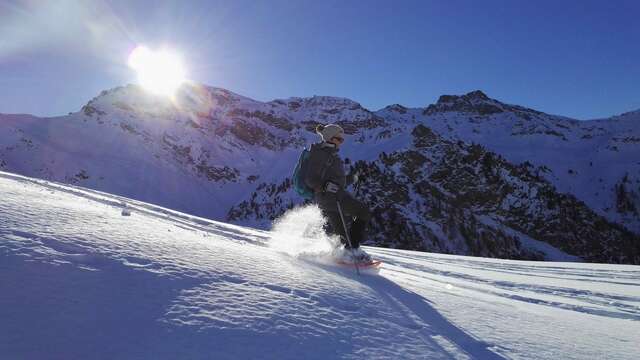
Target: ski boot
358,255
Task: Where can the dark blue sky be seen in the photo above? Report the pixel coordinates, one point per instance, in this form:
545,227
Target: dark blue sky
575,58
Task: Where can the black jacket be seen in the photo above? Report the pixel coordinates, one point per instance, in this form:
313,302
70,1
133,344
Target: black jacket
325,165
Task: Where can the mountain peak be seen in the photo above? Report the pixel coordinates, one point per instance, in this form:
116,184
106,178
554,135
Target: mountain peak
472,102
190,97
329,101
476,95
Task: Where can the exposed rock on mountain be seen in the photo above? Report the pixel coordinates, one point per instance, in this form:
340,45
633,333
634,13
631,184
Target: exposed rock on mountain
452,197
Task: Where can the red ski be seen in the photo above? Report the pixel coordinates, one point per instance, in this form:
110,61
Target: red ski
373,264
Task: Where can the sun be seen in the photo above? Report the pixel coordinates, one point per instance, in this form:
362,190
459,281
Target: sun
160,72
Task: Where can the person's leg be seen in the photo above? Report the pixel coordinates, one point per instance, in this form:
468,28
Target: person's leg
334,224
357,231
353,208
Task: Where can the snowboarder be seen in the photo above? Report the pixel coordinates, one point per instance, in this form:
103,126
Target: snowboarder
326,176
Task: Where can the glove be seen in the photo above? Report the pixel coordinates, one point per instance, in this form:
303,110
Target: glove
331,187
355,176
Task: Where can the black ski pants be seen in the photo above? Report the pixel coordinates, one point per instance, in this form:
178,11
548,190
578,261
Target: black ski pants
356,215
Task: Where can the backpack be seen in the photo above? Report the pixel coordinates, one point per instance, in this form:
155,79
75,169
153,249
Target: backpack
299,175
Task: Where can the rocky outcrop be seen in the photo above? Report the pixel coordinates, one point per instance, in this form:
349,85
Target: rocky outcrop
474,102
453,197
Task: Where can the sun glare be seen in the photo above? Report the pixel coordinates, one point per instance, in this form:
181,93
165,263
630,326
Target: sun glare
160,72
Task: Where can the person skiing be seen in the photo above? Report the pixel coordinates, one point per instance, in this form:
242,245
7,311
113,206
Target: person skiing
326,176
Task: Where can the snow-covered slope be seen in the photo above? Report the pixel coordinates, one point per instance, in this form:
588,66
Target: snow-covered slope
81,279
596,160
134,144
558,183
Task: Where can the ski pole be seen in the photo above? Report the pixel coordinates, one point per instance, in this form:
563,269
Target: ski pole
346,234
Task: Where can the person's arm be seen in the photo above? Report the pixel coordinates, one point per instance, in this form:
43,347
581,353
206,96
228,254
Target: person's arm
353,176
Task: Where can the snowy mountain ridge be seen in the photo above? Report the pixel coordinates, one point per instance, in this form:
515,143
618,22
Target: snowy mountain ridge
585,158
220,155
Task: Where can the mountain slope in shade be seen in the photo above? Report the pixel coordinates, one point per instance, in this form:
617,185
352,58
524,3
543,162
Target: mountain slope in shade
80,280
450,197
216,154
594,160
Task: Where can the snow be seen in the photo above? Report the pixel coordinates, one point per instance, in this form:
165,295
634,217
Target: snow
80,280
585,158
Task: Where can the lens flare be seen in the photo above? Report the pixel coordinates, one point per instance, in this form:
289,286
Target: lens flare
160,72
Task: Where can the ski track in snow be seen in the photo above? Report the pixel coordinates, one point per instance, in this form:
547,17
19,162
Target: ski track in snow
79,280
